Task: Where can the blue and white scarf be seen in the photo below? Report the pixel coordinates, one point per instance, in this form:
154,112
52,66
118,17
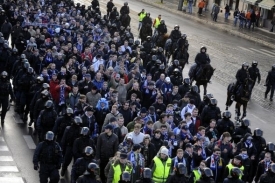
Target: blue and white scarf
62,96
134,161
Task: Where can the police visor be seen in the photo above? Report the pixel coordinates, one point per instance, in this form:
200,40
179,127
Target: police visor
126,176
182,169
208,172
147,173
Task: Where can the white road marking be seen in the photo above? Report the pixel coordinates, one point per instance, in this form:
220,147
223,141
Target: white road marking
11,180
4,148
29,141
6,158
272,53
8,169
259,118
245,49
259,51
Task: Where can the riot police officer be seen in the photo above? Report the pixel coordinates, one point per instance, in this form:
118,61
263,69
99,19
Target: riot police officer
175,34
225,124
254,74
71,133
81,163
202,57
193,94
205,101
180,175
242,76
206,176
162,29
48,156
268,176
62,122
46,119
125,10
210,112
184,87
242,130
91,174
175,64
176,77
234,176
146,176
5,92
81,142
270,83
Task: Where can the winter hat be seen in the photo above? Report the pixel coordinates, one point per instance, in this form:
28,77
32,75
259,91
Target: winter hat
164,151
136,147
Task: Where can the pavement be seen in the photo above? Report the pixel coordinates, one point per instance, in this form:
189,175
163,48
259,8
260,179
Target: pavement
258,35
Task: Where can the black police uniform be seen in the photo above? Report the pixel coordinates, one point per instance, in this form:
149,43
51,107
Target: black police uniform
60,125
48,155
80,144
254,74
5,91
270,83
210,112
88,177
268,177
225,125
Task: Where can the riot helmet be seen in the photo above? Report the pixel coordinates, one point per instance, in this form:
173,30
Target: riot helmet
226,114
126,176
77,120
49,104
213,102
39,79
69,110
203,48
45,86
245,122
182,170
177,62
207,172
195,89
245,64
186,81
137,42
85,131
270,146
254,63
88,150
49,136
147,173
258,132
236,172
154,58
30,70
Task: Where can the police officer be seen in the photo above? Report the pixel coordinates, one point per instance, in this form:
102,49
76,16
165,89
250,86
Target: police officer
175,34
147,45
259,141
176,77
146,176
269,176
254,74
81,163
242,76
184,87
162,28
225,124
205,102
5,92
125,10
193,94
270,83
71,133
81,142
91,174
110,6
180,175
48,155
210,112
147,20
175,64
62,122
202,57
270,147
206,176
183,42
46,119
234,176
241,130
125,177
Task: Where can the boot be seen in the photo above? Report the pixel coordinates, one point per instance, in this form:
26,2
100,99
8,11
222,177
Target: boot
2,121
25,118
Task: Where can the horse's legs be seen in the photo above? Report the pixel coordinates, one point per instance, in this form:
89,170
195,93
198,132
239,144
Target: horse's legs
198,87
205,89
244,109
237,111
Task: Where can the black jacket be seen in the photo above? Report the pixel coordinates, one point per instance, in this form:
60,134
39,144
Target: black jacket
107,146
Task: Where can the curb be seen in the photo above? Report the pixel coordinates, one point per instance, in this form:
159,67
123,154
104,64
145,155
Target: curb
233,32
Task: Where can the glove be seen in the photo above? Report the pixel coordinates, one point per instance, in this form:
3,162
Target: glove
35,167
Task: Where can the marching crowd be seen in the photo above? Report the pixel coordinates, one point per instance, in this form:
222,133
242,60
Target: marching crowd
113,107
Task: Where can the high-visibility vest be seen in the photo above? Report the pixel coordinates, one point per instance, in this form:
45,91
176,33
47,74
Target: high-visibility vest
161,172
157,22
141,16
117,172
197,175
230,166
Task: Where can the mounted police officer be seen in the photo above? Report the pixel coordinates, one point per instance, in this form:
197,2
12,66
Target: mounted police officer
242,76
254,74
5,92
48,156
125,10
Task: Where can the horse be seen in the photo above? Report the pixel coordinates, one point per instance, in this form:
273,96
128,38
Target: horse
160,39
201,75
182,56
125,20
241,95
146,30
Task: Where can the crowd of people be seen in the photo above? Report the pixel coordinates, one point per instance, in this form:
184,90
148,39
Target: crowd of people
115,108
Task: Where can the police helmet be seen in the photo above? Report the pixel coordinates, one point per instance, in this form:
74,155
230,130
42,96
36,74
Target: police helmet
114,8
49,136
14,50
25,60
4,73
254,63
273,67
137,42
272,167
195,89
126,176
126,4
245,64
30,70
245,122
49,104
176,26
176,71
77,120
226,114
148,14
270,146
258,132
45,86
158,62
84,131
182,169
39,78
23,56
122,27
160,49
236,172
213,101
69,110
148,37
88,150
162,22
162,67
26,65
186,81
93,167
45,93
176,62
207,172
203,47
147,173
154,58
131,41
208,96
184,36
